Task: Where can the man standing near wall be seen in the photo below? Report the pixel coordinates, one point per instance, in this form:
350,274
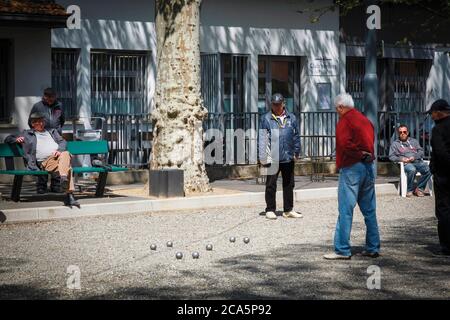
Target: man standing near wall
281,123
440,167
355,141
54,119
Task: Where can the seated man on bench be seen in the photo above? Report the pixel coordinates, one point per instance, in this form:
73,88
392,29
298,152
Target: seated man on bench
46,150
409,151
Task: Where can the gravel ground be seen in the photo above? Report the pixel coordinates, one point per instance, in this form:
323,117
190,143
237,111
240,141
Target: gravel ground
282,261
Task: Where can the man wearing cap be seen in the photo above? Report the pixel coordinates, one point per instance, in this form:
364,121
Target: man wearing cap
410,152
46,150
281,128
440,167
355,145
53,114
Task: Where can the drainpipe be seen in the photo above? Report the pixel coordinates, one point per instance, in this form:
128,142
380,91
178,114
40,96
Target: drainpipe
371,81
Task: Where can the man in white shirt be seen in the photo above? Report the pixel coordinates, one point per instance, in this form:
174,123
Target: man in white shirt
46,150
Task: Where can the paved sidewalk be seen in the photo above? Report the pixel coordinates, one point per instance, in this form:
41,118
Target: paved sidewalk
31,200
120,200
282,261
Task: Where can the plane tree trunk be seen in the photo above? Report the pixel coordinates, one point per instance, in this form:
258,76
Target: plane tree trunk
179,112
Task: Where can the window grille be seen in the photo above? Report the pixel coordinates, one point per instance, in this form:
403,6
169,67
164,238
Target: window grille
118,82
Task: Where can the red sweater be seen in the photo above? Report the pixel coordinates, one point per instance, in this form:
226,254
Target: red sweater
354,134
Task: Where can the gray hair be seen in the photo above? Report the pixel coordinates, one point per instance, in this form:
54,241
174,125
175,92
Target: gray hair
344,99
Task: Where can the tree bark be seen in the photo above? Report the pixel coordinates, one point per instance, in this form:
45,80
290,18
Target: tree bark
179,111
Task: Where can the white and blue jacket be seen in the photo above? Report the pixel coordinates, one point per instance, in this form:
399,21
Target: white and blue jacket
286,135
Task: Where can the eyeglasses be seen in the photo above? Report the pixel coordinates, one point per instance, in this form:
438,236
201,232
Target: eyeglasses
403,132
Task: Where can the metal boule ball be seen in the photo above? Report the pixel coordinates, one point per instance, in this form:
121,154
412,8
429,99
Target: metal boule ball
196,255
232,239
179,255
209,247
170,244
246,240
153,247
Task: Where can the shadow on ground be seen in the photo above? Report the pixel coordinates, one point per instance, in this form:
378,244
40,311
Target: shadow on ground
409,270
28,193
21,292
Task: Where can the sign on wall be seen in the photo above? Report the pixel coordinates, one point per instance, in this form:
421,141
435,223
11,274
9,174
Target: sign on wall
324,96
323,67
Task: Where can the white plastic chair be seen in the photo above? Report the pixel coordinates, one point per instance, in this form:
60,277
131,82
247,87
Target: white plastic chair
404,181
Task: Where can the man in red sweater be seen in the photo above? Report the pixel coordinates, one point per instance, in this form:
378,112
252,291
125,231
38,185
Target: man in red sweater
355,141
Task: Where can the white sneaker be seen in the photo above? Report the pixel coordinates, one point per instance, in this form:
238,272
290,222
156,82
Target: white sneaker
335,256
271,215
293,214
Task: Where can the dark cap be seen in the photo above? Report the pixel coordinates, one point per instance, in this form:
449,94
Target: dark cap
49,92
439,105
277,98
37,115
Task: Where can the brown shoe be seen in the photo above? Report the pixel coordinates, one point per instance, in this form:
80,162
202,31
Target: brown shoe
419,193
409,194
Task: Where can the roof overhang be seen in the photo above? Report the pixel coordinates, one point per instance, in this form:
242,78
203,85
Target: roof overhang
33,20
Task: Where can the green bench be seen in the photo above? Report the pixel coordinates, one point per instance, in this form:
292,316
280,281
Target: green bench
9,152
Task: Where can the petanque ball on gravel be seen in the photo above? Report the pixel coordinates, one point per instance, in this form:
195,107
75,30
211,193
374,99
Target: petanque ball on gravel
196,255
232,239
246,240
170,244
179,255
153,247
209,247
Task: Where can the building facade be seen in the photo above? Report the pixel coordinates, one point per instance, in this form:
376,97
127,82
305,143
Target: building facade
250,50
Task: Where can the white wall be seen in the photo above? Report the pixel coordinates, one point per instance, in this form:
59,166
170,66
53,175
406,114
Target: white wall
265,27
252,27
438,83
32,71
119,10
275,28
114,25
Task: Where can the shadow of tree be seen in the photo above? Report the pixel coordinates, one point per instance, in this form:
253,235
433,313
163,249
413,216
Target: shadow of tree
26,292
169,10
29,195
296,271
409,271
21,292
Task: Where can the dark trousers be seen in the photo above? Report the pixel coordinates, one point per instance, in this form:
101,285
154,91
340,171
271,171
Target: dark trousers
287,173
442,198
55,184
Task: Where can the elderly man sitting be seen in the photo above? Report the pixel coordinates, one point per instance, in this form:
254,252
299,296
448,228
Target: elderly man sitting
409,151
46,150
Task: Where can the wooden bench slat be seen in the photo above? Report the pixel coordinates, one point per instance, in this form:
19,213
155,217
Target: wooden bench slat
97,169
87,147
13,151
75,148
23,172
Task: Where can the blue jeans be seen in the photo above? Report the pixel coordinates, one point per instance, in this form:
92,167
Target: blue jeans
411,169
357,186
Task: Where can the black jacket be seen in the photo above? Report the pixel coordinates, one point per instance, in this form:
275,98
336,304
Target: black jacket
29,146
54,115
440,142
